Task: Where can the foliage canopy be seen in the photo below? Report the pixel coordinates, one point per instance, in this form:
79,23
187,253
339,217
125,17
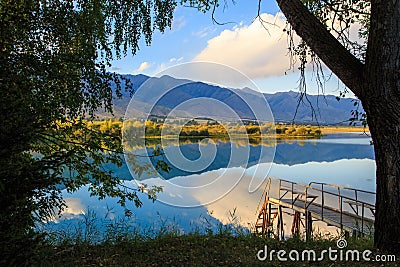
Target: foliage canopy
54,57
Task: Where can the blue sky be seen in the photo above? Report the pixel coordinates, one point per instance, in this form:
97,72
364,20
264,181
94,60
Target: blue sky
241,43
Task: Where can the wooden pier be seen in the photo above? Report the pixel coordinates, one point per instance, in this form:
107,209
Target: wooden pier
350,210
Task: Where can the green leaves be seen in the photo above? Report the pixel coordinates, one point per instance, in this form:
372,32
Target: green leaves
342,17
54,57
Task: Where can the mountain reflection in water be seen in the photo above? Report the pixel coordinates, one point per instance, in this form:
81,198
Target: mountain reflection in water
340,159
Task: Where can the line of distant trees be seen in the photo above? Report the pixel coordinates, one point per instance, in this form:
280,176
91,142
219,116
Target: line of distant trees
195,129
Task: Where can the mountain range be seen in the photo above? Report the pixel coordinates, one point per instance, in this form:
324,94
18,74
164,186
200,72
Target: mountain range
163,95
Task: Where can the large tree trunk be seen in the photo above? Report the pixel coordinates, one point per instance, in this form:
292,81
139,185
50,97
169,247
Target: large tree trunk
381,99
384,124
377,84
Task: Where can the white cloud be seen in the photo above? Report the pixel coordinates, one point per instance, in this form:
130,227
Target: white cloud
161,67
174,59
178,23
74,208
204,32
144,66
257,50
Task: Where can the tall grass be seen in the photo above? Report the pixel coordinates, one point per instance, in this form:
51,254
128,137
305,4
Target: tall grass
122,242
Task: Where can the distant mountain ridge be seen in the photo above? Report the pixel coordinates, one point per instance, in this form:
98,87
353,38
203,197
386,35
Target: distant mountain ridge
324,109
327,109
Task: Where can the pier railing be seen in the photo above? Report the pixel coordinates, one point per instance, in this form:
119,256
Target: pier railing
334,204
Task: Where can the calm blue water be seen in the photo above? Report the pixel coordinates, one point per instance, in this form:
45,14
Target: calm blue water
204,198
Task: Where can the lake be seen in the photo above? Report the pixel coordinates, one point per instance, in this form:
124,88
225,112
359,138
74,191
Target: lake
229,189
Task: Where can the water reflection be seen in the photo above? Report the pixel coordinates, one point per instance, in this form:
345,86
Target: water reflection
350,172
345,161
290,152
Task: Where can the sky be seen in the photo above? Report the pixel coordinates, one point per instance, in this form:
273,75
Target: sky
241,42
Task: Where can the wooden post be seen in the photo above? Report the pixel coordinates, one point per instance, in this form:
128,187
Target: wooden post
281,230
296,224
308,225
355,235
264,220
279,227
346,234
269,216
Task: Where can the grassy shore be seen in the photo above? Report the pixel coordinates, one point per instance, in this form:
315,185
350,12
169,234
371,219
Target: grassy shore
198,250
195,130
344,129
120,243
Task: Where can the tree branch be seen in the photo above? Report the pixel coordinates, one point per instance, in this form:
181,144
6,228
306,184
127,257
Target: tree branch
336,57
